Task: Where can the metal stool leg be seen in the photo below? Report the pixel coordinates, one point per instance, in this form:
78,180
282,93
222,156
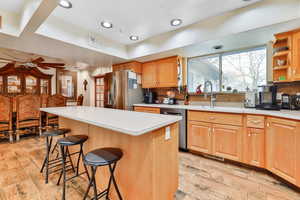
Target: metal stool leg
92,182
112,177
63,172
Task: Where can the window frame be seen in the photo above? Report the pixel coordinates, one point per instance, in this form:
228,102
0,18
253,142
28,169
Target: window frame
226,53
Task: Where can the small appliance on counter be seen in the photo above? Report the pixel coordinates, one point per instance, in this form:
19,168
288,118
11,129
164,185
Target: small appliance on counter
267,98
286,101
295,102
250,99
170,99
149,97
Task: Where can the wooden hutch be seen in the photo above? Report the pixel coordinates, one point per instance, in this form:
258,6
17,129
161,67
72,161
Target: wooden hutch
23,80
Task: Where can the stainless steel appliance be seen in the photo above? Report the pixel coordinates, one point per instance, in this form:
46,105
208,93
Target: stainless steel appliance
123,90
182,125
285,101
295,104
250,99
267,98
149,96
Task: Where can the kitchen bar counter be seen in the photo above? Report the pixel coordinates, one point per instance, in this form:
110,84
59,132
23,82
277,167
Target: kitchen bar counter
149,167
127,122
288,114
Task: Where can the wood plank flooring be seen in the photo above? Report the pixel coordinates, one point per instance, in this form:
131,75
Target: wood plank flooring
200,178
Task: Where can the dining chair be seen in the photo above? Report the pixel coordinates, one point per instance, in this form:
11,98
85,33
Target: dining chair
56,100
28,113
6,117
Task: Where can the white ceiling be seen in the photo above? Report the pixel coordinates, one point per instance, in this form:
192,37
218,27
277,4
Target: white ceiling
145,18
15,6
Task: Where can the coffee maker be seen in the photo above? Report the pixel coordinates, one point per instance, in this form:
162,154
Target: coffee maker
149,96
267,98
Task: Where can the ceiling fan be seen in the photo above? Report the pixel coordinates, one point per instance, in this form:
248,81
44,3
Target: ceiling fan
38,62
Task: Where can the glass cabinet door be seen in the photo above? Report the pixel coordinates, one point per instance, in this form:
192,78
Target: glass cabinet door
44,86
99,95
13,84
1,85
31,85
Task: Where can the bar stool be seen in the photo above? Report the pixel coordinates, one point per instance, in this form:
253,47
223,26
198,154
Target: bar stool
64,143
103,157
54,163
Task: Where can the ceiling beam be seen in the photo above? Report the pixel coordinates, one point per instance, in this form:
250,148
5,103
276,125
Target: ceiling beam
35,13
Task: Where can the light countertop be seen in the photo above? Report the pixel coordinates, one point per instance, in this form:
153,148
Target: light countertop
128,122
282,113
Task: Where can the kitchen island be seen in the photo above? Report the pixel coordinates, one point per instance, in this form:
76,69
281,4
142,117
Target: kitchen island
149,167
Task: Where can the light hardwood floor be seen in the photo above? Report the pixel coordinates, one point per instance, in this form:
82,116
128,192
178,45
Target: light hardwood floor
200,178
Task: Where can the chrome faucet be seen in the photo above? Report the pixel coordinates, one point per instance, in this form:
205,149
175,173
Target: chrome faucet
212,98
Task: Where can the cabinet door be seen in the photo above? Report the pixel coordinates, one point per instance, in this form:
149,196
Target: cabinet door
167,72
296,56
254,147
282,149
149,75
227,141
199,136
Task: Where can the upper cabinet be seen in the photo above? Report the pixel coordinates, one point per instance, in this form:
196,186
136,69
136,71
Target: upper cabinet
133,66
162,73
286,60
296,56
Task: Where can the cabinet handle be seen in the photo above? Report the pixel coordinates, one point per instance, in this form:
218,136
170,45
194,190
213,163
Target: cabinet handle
249,134
212,118
268,124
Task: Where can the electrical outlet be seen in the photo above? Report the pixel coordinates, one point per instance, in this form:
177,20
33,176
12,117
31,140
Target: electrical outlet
168,133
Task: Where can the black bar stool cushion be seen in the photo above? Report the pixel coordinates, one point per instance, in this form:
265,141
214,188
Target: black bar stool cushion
72,140
103,156
56,132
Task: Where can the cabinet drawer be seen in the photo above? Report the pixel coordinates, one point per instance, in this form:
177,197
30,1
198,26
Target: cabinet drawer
255,121
147,109
219,118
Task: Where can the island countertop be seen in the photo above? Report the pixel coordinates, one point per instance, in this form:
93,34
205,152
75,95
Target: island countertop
128,122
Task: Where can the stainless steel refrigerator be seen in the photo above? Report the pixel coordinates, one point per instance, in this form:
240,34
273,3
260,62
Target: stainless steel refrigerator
123,90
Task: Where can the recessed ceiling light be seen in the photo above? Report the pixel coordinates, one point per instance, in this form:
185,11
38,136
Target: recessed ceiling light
65,4
218,47
106,24
176,22
134,38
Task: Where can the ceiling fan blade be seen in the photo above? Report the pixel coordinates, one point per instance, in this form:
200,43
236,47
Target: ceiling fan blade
38,60
7,59
52,64
43,67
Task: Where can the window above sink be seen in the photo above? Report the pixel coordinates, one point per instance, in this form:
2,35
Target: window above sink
230,72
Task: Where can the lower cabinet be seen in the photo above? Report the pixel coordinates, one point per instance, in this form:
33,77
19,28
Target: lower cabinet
283,149
215,139
254,147
199,136
227,141
147,109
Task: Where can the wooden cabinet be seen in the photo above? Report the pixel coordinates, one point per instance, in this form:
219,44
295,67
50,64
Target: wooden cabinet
254,147
218,134
149,75
147,109
227,141
133,66
199,136
296,56
286,58
167,74
161,73
283,149
23,80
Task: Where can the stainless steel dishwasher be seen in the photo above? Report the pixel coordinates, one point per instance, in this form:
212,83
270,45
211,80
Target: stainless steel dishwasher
182,125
